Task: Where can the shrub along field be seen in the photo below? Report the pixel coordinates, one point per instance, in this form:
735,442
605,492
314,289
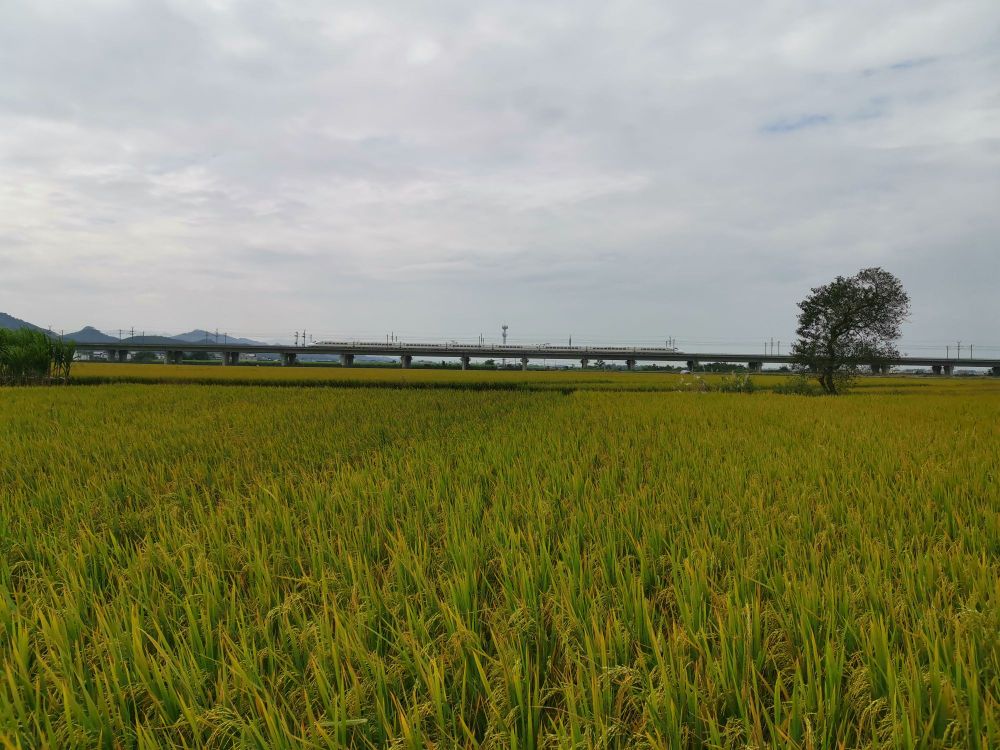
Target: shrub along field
247,566
32,357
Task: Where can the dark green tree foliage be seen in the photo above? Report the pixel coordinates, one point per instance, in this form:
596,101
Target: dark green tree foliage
849,323
28,356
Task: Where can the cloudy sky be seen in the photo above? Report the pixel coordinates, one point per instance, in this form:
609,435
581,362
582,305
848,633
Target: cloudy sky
615,171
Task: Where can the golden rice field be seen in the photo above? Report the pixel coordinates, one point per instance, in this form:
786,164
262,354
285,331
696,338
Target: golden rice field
597,561
392,377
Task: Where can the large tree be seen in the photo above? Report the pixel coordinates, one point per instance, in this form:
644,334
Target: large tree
849,323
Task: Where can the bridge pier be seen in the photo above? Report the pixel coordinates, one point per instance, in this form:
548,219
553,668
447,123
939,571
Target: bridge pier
230,358
524,363
755,366
583,363
465,362
288,359
406,360
995,371
936,369
630,364
692,364
173,357
117,355
346,360
949,369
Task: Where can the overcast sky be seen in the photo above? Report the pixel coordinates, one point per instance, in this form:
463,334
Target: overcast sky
611,170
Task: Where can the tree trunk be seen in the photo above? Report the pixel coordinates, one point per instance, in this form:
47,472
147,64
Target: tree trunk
828,382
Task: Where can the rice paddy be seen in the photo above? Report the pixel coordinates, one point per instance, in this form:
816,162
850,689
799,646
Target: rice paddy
584,560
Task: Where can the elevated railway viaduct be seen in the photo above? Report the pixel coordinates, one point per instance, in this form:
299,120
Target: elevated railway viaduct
465,353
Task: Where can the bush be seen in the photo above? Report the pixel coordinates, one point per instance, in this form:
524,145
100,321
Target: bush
28,357
736,384
800,385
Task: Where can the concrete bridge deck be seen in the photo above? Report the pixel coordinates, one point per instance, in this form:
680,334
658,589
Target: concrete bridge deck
348,350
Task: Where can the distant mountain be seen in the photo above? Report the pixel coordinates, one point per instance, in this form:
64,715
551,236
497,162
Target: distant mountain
90,335
208,337
160,340
11,323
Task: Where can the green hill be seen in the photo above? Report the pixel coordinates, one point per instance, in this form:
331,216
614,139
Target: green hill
90,335
14,324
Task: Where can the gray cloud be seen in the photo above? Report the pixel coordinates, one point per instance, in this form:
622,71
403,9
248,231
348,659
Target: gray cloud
788,125
628,170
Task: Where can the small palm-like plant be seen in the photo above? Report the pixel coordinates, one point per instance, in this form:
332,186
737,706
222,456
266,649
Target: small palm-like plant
28,356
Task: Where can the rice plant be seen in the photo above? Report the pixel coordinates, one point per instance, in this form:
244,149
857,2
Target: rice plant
247,566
